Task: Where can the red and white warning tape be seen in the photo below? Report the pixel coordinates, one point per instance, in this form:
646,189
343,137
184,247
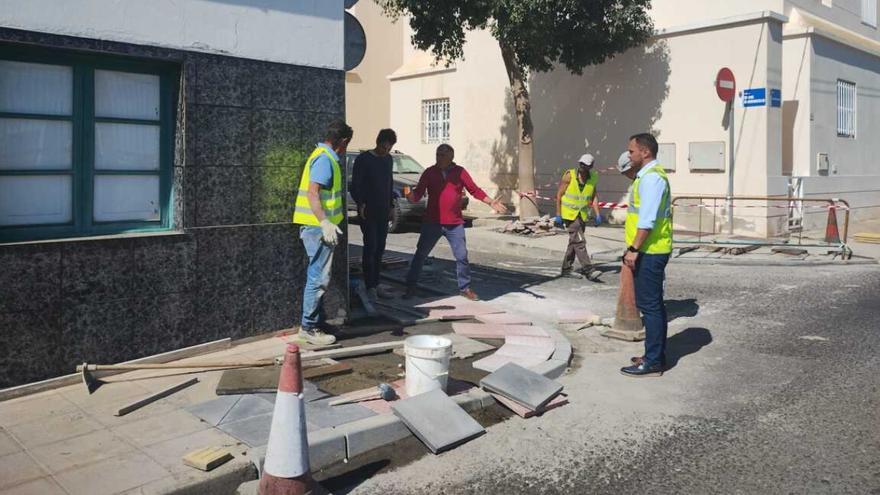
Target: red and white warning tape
724,204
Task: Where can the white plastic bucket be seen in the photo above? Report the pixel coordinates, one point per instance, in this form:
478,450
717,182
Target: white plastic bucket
427,363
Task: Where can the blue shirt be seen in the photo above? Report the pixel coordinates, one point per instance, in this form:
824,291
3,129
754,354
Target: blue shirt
321,170
652,188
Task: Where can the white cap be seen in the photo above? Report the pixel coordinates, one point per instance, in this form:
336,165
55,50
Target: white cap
587,159
623,163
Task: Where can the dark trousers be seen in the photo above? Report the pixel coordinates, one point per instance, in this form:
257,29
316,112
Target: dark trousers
374,233
430,234
577,245
649,275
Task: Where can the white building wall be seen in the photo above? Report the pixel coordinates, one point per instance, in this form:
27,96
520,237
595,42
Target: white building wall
301,32
854,169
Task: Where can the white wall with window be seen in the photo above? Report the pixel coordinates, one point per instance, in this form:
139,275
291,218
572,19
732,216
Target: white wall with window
85,145
435,120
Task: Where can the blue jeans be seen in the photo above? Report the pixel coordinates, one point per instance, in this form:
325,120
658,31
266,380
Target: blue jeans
430,234
317,274
649,275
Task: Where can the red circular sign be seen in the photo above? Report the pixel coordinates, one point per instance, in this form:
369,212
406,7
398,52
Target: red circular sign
725,84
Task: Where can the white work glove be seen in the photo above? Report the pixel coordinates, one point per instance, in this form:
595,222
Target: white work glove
330,232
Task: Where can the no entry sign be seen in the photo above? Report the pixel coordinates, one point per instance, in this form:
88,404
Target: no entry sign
725,84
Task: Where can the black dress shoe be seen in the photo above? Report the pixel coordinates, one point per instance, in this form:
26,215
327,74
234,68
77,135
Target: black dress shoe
642,370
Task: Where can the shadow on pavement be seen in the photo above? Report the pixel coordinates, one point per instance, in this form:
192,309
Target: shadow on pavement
684,343
678,308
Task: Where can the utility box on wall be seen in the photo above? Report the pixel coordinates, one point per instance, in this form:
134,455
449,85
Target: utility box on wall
706,156
666,156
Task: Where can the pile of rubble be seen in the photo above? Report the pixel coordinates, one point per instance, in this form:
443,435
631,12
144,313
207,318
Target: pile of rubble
532,227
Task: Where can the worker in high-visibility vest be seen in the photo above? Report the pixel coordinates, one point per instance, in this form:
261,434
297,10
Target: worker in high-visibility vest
319,209
575,198
649,244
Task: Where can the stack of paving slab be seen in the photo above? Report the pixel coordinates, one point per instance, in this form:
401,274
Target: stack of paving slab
526,345
523,391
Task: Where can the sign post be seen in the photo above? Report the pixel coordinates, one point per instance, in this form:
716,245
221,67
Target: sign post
725,87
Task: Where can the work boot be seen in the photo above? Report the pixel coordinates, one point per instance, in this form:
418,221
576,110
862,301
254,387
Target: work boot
470,294
591,274
410,292
315,336
384,293
570,274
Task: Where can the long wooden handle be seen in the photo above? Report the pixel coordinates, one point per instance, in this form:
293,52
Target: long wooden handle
171,366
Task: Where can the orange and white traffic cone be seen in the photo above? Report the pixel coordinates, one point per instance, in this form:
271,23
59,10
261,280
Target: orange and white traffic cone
832,235
628,320
286,469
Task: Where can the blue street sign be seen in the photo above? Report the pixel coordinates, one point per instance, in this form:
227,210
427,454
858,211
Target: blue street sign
754,97
776,98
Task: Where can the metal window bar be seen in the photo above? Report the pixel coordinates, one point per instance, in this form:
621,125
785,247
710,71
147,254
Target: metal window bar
435,118
846,109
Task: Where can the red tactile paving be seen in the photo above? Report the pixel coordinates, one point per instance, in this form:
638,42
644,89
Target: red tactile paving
524,412
493,331
503,319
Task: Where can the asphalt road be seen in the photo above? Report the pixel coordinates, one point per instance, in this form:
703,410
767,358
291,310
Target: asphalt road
773,388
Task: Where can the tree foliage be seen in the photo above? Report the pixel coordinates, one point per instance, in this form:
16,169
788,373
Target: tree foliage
541,33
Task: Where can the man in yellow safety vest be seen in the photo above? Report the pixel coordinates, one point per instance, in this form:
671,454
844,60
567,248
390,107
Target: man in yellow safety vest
649,244
574,199
319,209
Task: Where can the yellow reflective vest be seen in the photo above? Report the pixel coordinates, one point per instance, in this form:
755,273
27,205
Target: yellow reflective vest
576,200
659,241
331,200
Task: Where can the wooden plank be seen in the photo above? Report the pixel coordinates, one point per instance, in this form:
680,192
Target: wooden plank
360,350
154,397
73,379
401,309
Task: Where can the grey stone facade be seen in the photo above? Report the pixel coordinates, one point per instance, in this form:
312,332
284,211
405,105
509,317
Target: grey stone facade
234,266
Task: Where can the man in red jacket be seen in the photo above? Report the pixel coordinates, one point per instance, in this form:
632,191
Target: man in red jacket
444,183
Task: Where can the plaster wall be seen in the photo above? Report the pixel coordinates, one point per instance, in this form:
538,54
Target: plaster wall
301,32
367,88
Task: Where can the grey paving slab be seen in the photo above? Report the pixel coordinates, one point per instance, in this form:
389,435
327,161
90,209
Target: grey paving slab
111,476
437,420
521,385
247,407
321,414
253,431
7,444
213,411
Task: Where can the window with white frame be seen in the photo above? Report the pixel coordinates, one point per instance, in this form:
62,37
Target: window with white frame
435,120
85,145
869,12
846,108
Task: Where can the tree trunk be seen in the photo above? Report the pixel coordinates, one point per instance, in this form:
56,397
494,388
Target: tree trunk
526,182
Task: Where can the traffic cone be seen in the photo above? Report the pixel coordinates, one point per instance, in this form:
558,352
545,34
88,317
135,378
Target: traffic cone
628,320
286,468
832,236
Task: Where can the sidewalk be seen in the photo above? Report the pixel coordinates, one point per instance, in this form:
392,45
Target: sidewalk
606,243
67,441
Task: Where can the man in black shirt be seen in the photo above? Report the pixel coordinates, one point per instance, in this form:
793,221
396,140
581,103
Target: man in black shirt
371,189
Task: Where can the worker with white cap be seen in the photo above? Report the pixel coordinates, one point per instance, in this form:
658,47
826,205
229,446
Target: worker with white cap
574,199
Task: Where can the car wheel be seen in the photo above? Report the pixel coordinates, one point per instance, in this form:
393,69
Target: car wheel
395,222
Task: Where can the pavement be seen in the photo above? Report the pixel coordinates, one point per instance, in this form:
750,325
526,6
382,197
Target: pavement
68,441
